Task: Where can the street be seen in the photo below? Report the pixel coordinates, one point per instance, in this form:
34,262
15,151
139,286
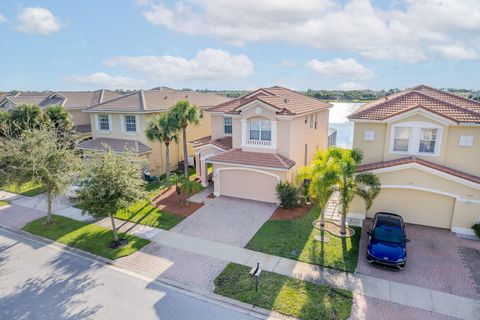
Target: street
41,282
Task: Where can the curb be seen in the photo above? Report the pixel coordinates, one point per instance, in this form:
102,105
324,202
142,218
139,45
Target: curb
184,288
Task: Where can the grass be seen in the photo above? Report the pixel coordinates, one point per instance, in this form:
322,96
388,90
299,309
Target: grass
144,213
84,236
283,294
3,203
294,239
28,189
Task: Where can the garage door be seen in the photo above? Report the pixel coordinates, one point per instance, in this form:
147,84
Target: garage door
248,184
418,207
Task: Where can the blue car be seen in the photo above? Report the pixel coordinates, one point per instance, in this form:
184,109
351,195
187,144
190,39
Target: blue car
387,243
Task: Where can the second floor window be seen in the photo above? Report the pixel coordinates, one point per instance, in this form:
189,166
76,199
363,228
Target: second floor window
227,124
104,122
260,130
428,137
401,139
130,123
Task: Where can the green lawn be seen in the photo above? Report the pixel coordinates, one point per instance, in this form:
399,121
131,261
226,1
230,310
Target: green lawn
294,239
144,213
283,294
3,203
28,189
84,236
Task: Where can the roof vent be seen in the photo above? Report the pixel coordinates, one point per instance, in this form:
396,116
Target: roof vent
285,100
386,98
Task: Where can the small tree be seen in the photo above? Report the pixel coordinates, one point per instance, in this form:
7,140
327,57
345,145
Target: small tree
164,128
287,194
25,117
113,182
36,156
185,115
184,187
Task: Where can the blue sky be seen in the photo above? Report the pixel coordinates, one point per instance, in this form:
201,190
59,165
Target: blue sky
223,44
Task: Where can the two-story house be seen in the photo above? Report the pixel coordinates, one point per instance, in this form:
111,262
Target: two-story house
73,101
121,122
260,139
424,145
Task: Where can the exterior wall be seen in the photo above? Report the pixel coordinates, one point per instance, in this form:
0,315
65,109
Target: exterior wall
203,129
465,215
217,129
463,158
79,117
372,150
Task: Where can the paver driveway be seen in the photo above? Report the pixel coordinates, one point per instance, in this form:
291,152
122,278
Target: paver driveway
437,259
229,220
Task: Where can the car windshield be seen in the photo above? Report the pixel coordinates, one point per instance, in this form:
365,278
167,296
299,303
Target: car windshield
389,233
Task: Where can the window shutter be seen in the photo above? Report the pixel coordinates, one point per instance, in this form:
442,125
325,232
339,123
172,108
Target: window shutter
110,122
137,123
122,122
97,122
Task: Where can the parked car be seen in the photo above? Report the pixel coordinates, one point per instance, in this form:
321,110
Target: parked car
387,241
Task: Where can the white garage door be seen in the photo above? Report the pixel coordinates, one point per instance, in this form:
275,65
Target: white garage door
248,184
418,207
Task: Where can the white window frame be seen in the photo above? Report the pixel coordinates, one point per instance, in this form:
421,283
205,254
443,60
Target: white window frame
109,121
126,124
369,135
226,125
260,130
415,135
465,140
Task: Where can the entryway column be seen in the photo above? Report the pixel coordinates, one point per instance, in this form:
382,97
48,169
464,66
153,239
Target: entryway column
204,170
198,170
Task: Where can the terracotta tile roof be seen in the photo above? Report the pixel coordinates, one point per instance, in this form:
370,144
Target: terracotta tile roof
117,145
157,99
257,159
224,142
447,105
286,101
397,162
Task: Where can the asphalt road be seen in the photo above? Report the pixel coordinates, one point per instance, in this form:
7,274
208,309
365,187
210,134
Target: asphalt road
41,282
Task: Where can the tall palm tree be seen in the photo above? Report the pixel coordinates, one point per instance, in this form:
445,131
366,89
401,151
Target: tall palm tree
164,128
365,185
185,114
323,177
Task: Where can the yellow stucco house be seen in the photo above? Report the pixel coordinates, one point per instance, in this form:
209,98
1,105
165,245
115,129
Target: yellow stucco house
424,145
260,139
120,123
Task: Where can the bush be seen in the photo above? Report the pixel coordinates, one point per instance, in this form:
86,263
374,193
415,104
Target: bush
287,194
476,229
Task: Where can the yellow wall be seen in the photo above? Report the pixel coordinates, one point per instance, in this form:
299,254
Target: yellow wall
372,150
79,117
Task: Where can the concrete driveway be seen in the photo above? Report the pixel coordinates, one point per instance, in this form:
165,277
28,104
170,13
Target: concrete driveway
437,259
228,220
16,216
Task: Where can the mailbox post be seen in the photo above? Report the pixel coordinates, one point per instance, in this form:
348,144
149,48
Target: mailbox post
255,273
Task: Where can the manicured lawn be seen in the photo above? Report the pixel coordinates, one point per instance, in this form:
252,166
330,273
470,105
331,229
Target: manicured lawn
84,236
283,294
294,239
28,189
3,203
144,213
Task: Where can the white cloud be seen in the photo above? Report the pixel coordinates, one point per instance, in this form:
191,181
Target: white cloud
208,64
350,86
37,21
104,80
2,18
409,32
344,68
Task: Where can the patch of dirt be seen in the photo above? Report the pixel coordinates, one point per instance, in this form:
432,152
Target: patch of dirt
334,229
211,196
168,200
290,214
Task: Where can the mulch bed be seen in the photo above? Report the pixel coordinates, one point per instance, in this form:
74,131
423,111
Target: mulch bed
334,229
168,200
290,214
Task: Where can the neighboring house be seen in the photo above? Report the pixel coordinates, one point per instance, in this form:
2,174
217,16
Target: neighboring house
73,101
424,145
260,139
120,123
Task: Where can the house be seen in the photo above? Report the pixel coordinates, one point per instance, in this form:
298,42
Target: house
73,101
121,122
424,145
260,139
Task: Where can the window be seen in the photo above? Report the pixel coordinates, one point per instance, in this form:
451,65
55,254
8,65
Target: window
369,135
130,123
227,125
316,118
260,130
428,137
465,141
401,139
104,122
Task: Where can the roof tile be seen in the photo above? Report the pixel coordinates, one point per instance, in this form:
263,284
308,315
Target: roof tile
257,159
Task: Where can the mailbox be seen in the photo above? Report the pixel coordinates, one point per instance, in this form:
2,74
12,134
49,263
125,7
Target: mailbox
255,273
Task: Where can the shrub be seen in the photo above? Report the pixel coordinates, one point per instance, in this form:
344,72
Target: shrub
476,229
287,194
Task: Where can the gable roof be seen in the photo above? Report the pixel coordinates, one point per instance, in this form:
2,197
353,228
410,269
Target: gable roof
444,104
286,101
156,99
224,143
69,99
255,159
116,145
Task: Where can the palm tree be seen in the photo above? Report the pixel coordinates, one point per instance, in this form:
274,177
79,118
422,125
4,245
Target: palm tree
365,185
323,177
59,117
185,114
163,128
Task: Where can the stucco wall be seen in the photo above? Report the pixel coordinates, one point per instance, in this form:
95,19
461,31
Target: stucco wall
463,158
372,150
79,117
466,214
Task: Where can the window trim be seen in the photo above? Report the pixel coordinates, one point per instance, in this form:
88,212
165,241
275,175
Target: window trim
259,130
109,122
225,125
126,124
414,139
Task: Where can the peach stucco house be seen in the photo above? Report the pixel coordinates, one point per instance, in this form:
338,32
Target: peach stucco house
424,145
260,139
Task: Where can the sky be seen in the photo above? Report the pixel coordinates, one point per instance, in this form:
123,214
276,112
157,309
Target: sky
231,44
